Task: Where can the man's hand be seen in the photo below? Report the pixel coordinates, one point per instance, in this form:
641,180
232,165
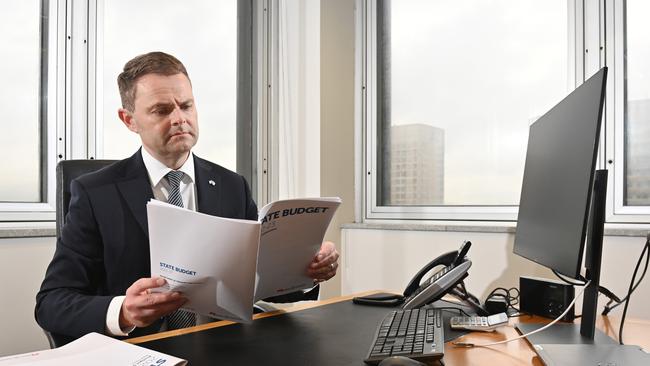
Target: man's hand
324,265
142,307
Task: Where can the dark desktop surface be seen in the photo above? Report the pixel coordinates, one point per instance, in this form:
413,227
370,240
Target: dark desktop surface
333,334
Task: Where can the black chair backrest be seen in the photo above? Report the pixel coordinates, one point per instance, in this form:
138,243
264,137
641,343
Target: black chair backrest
66,171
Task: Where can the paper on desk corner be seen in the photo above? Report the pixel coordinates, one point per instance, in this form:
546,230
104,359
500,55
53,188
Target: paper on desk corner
94,349
194,252
291,235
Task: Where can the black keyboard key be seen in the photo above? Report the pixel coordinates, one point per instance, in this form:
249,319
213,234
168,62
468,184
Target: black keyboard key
401,353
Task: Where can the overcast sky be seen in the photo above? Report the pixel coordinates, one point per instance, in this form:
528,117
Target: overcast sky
483,71
202,34
482,75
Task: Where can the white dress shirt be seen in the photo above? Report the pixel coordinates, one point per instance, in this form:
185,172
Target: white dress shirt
160,187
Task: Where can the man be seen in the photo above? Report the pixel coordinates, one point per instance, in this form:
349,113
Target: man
99,278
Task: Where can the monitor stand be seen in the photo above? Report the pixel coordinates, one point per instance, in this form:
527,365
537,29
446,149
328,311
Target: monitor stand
585,332
562,334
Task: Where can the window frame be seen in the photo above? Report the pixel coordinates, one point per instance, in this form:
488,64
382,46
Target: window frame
368,92
597,38
50,88
615,35
71,124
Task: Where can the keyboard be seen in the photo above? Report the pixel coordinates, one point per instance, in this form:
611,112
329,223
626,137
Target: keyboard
415,333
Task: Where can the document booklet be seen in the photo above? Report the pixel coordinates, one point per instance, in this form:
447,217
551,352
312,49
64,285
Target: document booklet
292,233
94,349
224,265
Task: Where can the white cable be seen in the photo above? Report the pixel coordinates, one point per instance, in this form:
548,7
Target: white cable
469,345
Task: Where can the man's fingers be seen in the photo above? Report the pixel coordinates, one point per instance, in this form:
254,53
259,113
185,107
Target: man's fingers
324,273
164,308
144,317
144,284
326,249
332,267
146,308
327,261
156,299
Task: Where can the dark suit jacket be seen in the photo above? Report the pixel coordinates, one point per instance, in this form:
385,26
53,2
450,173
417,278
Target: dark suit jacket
104,245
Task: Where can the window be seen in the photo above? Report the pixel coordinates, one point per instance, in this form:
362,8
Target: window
28,30
452,92
203,35
61,83
628,107
637,104
20,27
21,89
452,87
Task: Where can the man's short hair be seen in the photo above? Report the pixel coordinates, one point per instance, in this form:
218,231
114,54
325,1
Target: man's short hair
150,63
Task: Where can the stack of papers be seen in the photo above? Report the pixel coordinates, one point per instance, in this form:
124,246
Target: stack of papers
224,265
94,349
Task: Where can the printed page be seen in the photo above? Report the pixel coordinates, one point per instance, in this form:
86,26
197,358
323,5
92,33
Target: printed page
211,260
94,349
292,233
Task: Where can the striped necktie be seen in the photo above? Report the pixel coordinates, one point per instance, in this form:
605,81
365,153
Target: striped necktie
180,318
174,178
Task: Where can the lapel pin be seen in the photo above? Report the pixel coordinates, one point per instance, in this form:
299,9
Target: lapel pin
211,182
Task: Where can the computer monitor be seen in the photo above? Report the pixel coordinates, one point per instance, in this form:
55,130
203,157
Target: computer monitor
563,197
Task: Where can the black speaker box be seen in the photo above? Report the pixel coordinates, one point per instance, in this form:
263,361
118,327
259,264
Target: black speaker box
544,297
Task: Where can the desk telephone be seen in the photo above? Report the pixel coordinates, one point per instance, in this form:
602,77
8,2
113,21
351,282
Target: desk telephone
418,292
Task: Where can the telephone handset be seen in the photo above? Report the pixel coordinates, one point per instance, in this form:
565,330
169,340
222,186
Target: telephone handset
442,281
419,293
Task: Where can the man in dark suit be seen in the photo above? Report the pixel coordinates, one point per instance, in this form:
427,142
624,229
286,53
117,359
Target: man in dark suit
99,279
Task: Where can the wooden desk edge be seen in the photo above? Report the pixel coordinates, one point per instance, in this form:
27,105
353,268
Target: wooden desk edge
604,323
221,323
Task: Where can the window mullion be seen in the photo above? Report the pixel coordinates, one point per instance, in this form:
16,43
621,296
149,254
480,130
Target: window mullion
94,85
267,135
76,115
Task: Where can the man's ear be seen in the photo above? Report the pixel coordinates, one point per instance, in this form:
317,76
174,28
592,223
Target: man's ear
127,118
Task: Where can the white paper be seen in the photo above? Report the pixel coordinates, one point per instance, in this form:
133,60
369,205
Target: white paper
94,349
292,234
224,265
211,260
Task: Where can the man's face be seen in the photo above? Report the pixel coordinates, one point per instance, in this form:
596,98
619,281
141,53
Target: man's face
164,115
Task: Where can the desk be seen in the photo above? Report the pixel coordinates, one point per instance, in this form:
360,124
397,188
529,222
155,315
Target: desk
337,332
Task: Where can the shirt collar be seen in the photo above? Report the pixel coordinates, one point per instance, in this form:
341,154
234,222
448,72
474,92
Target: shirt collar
158,170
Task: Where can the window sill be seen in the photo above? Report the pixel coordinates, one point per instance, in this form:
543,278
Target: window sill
633,230
27,229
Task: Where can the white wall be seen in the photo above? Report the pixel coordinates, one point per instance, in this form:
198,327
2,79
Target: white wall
22,268
371,259
387,259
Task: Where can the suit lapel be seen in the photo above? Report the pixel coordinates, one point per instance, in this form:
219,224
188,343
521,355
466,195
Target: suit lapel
208,188
136,189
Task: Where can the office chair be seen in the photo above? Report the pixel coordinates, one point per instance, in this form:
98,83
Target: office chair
66,171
